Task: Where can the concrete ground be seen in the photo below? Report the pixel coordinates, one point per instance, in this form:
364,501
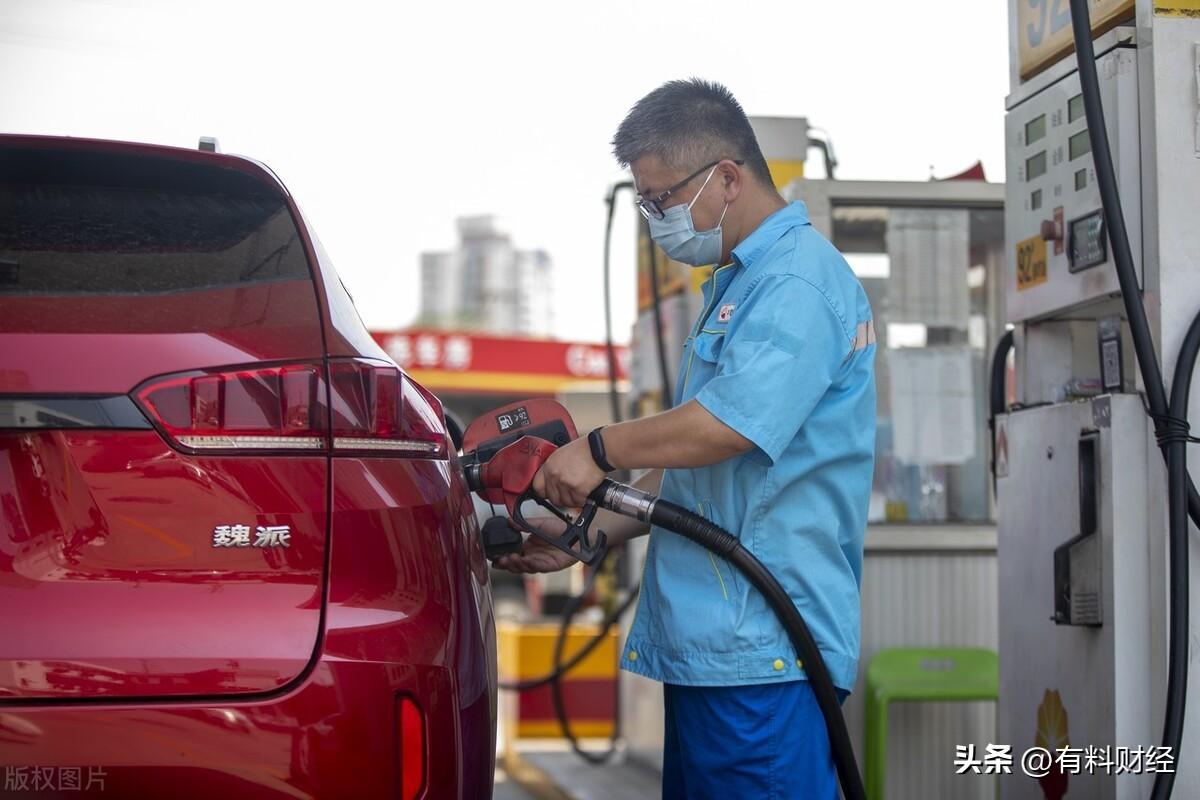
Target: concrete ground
507,788
550,771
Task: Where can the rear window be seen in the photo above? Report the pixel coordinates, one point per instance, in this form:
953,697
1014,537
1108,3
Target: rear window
75,223
96,242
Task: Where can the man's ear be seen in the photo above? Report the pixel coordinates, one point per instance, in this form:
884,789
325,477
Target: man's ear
733,181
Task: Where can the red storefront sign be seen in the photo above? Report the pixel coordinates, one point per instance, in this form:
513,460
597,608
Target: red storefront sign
472,362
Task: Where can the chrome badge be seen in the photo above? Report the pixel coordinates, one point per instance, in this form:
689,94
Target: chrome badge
239,536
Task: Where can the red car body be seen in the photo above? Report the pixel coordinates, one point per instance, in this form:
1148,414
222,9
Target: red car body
160,386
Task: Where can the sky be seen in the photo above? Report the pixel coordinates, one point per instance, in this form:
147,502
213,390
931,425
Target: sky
389,120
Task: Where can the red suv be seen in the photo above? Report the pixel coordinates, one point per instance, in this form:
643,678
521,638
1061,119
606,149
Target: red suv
237,556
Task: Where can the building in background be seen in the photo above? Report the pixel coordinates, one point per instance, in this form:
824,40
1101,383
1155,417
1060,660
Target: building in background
487,285
484,332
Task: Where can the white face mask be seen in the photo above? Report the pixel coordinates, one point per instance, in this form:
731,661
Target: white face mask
676,234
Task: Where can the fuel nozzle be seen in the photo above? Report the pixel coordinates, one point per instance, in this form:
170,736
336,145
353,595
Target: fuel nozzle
507,477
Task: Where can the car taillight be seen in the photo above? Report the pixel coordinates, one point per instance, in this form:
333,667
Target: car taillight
377,408
410,729
252,408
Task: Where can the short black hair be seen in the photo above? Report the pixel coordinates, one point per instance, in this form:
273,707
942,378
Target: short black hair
688,123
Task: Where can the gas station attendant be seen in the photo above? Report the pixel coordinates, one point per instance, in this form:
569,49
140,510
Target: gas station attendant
771,436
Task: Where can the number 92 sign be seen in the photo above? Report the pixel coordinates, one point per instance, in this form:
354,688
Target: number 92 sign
1031,262
1044,29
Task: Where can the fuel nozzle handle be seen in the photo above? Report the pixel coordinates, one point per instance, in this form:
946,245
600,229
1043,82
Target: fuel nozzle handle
508,477
575,540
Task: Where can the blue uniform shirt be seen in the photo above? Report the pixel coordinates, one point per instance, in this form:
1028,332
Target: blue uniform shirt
783,353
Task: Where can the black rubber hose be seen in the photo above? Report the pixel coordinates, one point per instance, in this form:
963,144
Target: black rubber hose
1114,219
997,391
668,396
614,397
562,669
1176,447
556,688
1169,419
830,161
717,540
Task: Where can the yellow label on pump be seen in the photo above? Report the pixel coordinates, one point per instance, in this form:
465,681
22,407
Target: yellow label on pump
1044,29
1031,262
1177,8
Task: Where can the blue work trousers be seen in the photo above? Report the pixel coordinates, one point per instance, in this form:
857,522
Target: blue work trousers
765,741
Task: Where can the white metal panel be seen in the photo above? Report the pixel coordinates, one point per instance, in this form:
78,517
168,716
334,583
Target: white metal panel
1052,197
1096,675
1169,74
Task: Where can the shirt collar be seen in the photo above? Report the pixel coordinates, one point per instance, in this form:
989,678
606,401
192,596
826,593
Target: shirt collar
792,215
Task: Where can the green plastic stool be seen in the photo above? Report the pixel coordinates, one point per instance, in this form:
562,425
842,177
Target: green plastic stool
937,674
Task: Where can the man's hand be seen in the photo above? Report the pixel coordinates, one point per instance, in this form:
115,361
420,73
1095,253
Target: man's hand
569,475
538,555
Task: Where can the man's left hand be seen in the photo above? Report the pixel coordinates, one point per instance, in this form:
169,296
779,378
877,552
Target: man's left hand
569,475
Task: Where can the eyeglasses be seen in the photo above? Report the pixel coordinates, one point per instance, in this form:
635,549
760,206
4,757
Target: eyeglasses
653,208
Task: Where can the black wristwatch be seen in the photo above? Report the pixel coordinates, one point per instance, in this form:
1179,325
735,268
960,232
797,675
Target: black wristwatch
596,444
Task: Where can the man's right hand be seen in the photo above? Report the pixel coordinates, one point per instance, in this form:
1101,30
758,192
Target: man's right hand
541,556
538,555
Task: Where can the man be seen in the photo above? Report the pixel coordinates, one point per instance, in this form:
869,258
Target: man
771,437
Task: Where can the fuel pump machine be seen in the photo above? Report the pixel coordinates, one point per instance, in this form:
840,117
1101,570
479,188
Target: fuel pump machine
1102,290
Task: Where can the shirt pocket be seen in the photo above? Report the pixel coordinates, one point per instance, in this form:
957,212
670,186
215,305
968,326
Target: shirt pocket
708,343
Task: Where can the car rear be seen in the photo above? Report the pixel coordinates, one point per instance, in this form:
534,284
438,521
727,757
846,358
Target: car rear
235,550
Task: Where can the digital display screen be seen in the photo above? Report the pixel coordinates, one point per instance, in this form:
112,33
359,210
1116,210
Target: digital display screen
1079,144
1075,108
1035,166
1087,246
1035,129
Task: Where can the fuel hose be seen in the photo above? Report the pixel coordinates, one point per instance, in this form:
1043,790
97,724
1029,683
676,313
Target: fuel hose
1170,416
560,668
997,391
614,397
628,501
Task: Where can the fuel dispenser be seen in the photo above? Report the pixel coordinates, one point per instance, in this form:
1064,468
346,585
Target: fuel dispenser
1102,290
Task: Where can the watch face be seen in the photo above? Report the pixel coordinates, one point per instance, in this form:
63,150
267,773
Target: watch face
1087,242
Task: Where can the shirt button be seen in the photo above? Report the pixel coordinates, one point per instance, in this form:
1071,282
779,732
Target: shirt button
778,664
633,655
